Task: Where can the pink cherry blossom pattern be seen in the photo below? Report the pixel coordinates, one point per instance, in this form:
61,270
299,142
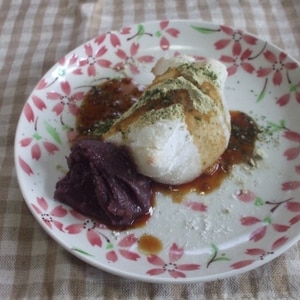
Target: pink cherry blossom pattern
174,269
242,264
292,184
249,220
260,232
124,246
262,253
65,99
196,206
248,196
165,33
292,136
57,95
139,32
131,59
258,252
36,143
25,166
240,59
125,30
93,59
38,102
278,65
279,242
280,227
42,84
67,64
255,251
50,217
293,206
286,98
112,256
245,195
294,220
293,152
235,37
113,38
28,113
87,225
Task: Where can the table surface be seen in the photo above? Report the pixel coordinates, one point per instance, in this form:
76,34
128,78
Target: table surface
33,36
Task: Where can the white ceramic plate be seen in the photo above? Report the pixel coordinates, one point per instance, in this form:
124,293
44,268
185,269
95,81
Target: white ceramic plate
251,219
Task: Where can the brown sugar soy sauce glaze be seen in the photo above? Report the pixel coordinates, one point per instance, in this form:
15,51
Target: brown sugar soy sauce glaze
112,98
240,149
105,103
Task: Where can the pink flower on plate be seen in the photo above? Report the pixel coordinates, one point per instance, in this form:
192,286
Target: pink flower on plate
285,98
113,37
293,184
124,249
260,232
279,64
293,152
242,264
125,30
294,220
38,102
92,59
248,196
28,113
49,218
164,33
174,269
262,252
68,65
196,206
245,195
131,59
35,142
238,59
65,99
89,226
65,65
235,37
25,166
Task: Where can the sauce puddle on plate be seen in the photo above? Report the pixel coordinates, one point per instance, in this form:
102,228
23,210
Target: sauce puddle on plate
149,244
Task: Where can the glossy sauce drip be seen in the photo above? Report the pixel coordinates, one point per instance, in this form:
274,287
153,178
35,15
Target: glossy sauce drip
149,244
106,102
112,98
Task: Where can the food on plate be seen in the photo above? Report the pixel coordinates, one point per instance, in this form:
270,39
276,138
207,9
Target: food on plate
102,182
105,103
178,128
180,125
240,150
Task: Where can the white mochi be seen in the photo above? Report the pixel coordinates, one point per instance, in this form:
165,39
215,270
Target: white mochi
174,144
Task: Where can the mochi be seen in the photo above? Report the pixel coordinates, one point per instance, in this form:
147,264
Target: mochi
180,126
